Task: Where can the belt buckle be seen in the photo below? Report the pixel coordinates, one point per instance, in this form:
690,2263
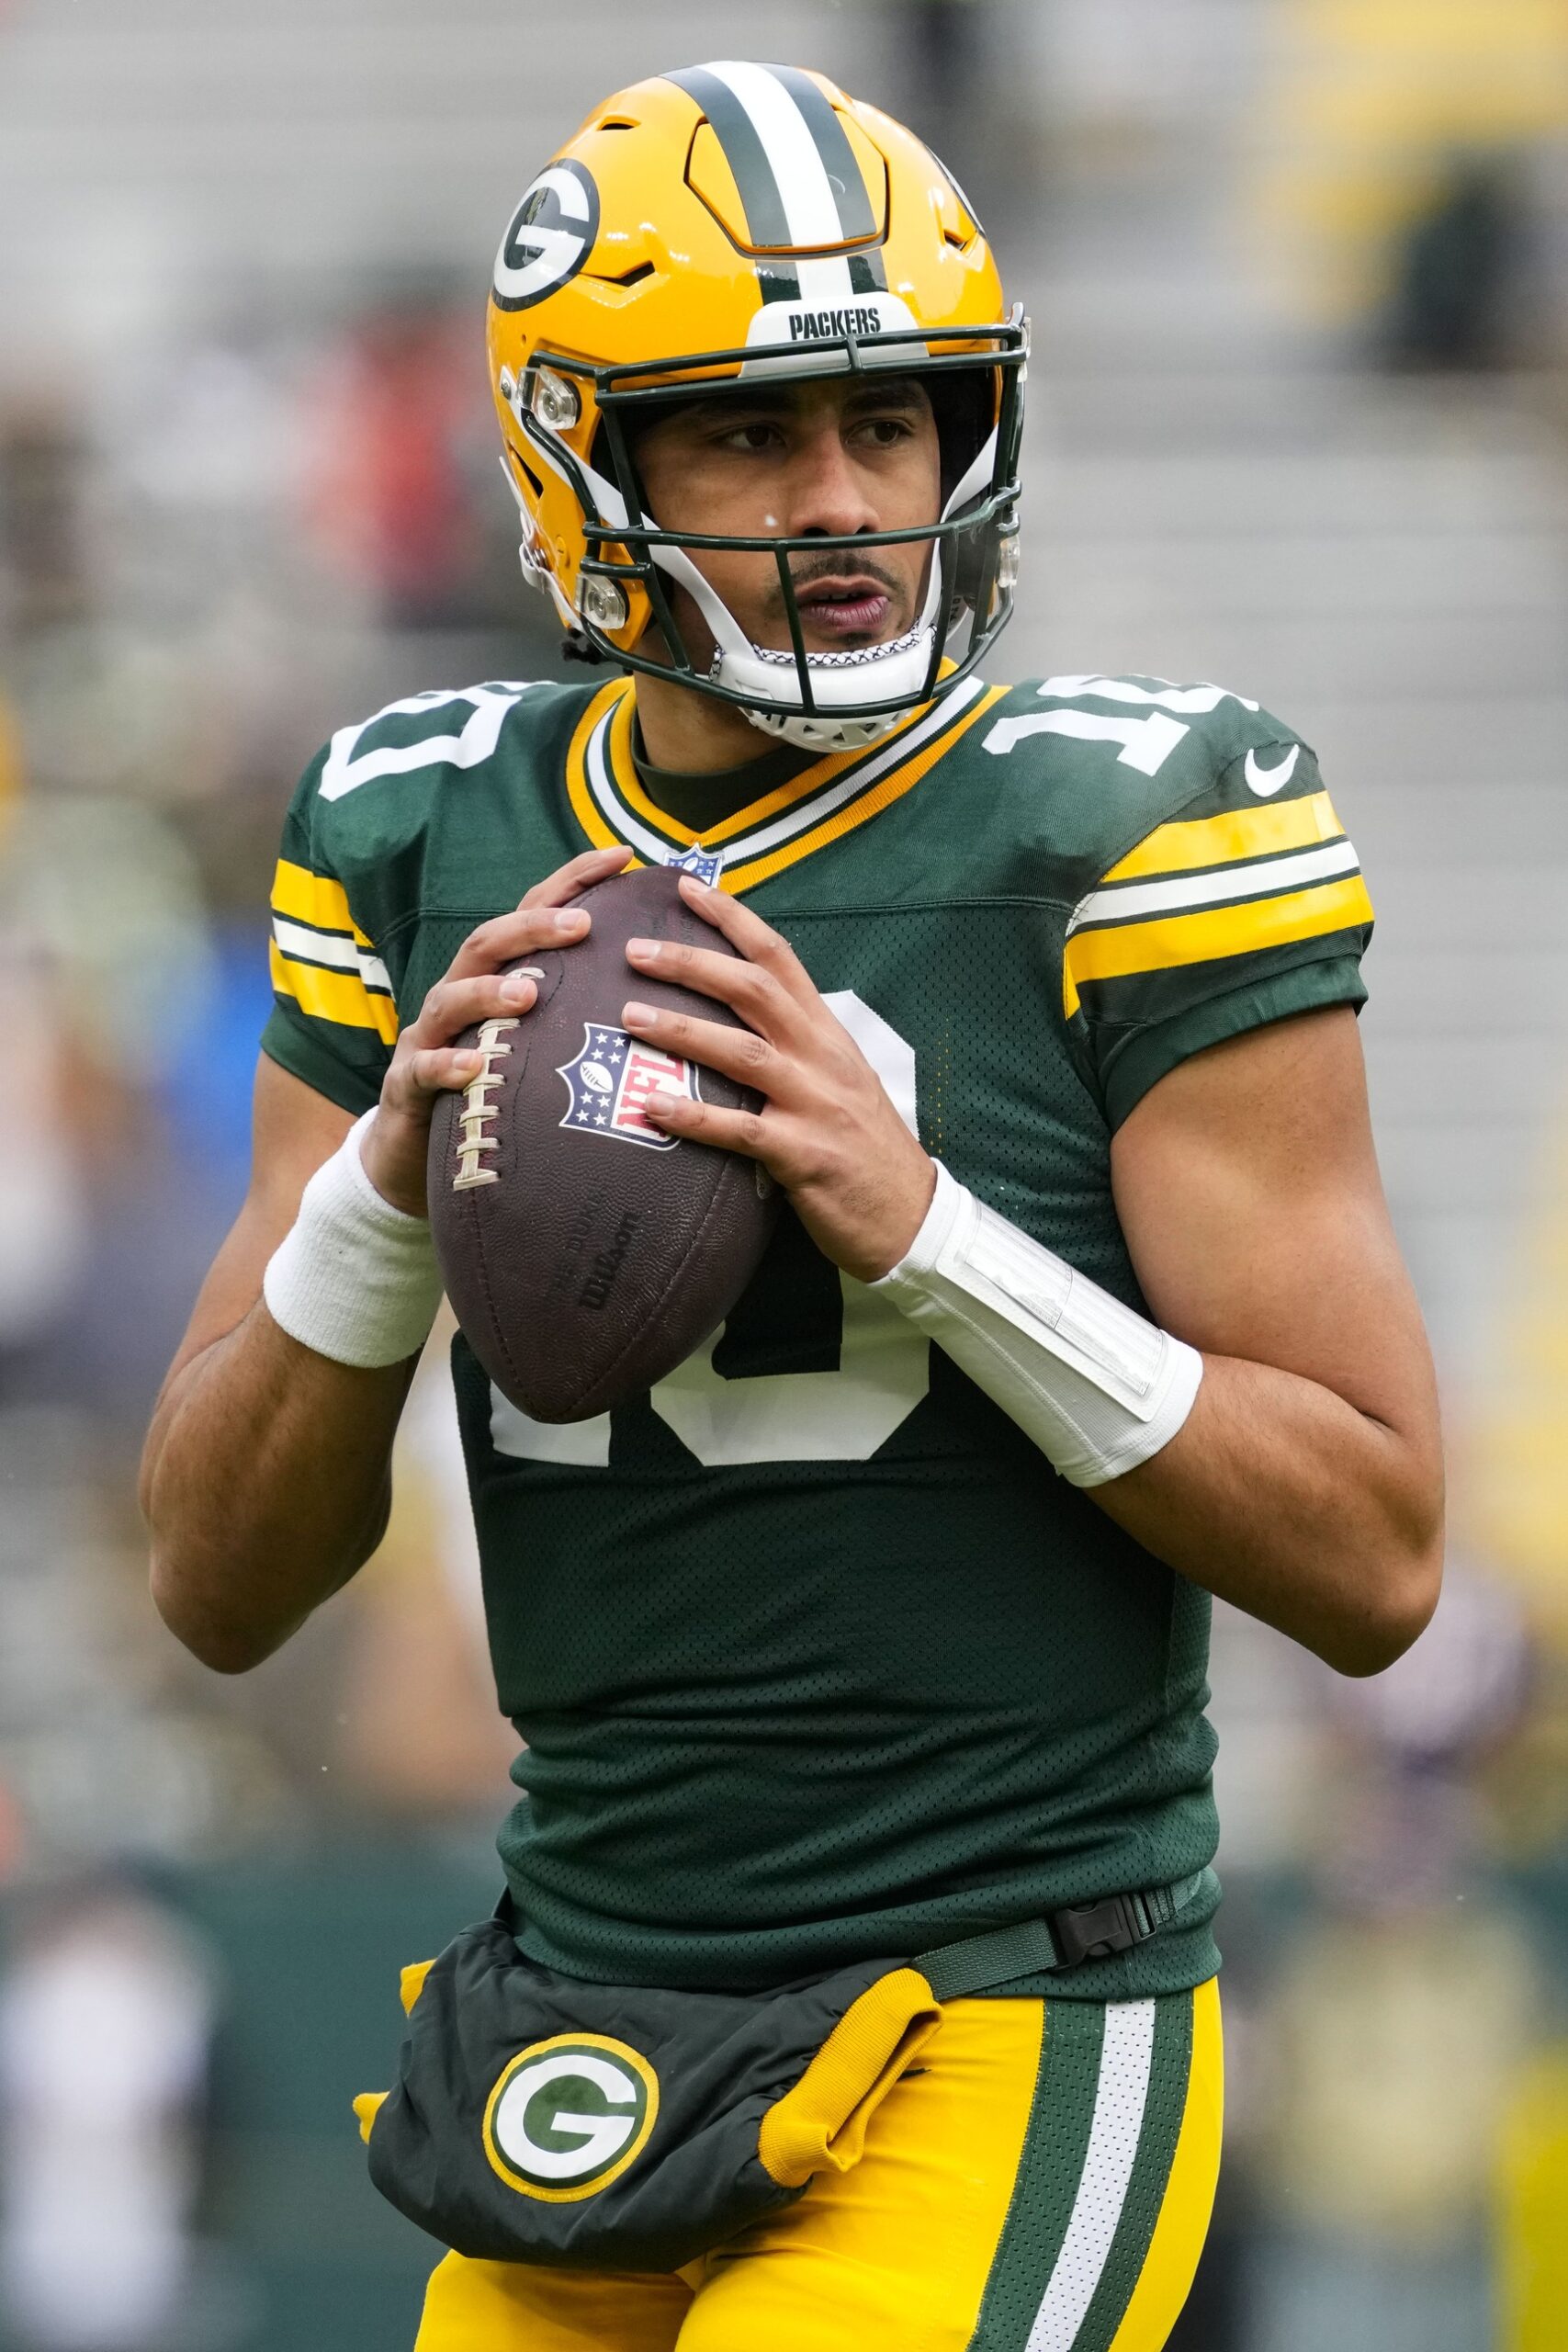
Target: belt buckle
1095,1930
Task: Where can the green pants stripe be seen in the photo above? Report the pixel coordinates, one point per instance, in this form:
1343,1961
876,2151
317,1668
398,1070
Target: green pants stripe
1170,2062
1102,2131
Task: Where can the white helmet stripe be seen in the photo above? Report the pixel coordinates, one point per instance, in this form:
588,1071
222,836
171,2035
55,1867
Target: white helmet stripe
793,154
825,282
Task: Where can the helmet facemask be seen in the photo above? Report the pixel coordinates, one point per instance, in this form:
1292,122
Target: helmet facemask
822,702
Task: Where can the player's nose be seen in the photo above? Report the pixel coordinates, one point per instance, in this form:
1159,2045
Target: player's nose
828,493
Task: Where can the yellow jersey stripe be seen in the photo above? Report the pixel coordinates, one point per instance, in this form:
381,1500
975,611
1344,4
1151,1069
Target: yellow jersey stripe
316,898
622,773
584,807
342,997
882,794
888,788
1176,940
1183,2224
1233,834
801,788
788,795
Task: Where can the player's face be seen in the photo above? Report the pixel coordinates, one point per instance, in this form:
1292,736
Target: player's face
830,460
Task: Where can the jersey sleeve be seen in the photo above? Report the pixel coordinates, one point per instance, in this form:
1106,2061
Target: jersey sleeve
334,1021
1247,904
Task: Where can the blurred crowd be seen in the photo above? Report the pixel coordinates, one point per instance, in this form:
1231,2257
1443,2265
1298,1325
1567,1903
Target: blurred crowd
245,532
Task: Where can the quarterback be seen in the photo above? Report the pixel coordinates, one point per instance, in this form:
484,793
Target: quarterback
858,1667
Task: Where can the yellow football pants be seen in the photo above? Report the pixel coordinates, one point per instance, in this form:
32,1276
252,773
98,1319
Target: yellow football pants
1040,2181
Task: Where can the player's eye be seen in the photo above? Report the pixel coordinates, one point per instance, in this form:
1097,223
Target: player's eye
885,432
754,437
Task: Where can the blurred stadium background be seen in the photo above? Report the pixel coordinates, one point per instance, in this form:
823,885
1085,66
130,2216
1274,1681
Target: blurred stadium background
1299,275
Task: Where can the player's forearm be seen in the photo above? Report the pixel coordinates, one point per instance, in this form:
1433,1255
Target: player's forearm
1282,1499
1266,1486
265,1485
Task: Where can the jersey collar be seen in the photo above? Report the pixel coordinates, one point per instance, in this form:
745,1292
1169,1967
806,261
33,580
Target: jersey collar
830,799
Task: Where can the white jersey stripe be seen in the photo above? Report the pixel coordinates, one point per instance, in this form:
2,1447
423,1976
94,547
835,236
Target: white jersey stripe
1187,892
617,816
811,812
796,821
1126,2060
328,947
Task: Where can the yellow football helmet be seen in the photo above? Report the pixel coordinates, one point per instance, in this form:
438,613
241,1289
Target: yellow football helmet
708,228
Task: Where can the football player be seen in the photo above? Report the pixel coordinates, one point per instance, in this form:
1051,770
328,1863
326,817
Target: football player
882,1621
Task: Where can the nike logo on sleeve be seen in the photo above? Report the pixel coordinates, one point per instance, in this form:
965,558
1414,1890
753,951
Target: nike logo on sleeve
1266,780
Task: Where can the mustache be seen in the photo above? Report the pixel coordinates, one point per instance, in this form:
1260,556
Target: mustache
843,564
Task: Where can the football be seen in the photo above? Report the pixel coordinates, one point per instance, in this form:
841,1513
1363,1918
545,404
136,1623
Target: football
586,1253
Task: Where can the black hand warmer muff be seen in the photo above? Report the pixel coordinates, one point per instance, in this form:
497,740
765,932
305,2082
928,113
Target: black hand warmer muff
539,2119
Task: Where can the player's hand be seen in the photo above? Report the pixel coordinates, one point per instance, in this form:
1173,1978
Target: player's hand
426,1063
828,1132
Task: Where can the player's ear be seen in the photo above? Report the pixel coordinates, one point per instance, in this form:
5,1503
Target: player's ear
960,408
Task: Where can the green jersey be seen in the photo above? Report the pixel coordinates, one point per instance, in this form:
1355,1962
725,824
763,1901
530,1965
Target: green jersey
814,1656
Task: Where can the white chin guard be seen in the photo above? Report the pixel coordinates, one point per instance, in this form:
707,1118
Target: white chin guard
842,684
871,673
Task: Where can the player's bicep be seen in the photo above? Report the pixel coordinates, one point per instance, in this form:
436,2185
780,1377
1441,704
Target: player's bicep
1247,1186
294,1130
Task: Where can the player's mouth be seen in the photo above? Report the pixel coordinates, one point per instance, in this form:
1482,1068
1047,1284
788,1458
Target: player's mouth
854,606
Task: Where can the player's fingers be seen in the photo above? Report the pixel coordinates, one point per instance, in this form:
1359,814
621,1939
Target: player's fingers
454,1005
756,996
580,873
677,1115
740,1054
431,1070
756,940
522,933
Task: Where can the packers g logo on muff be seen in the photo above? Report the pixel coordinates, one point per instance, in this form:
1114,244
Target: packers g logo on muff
567,2115
549,237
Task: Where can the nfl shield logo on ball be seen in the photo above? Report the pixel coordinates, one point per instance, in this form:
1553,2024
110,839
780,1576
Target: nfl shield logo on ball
610,1081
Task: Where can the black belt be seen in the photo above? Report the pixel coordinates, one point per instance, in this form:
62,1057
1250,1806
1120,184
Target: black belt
1057,1940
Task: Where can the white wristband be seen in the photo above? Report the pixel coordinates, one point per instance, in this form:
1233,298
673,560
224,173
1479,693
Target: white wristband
354,1277
1098,1388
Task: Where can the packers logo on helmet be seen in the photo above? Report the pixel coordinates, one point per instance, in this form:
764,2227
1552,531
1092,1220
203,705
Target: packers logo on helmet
548,238
706,229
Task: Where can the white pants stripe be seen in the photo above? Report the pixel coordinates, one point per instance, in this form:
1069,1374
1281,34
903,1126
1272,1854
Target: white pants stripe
1120,2099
